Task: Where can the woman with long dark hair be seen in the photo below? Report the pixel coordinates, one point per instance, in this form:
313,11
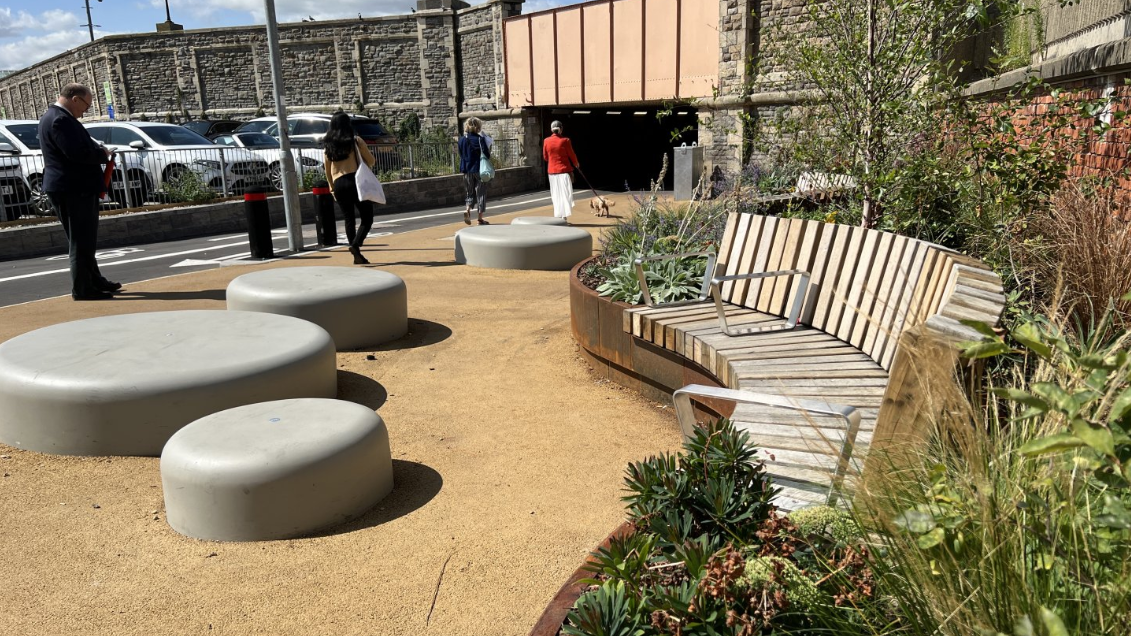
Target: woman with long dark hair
343,148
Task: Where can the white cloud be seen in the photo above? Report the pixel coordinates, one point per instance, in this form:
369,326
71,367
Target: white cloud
33,48
19,23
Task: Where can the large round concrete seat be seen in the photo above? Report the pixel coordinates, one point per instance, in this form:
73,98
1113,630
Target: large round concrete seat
275,470
523,246
538,220
122,385
358,307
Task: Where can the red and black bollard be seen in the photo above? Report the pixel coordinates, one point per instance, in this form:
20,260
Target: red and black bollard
258,223
327,225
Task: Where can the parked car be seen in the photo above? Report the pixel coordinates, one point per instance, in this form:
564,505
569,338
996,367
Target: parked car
209,128
306,130
15,192
168,151
259,124
267,148
23,136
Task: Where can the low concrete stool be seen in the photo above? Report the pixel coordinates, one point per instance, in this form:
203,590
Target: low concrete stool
523,246
538,220
358,307
122,385
275,470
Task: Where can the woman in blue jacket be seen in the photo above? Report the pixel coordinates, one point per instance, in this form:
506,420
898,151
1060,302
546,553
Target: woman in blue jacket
471,147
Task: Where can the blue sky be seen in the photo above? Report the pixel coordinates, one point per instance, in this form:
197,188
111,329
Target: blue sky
33,30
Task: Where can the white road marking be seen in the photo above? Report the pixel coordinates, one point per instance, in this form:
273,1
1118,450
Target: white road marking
220,247
132,260
193,262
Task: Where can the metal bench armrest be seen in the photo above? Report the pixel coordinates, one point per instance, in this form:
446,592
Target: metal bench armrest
686,416
794,311
703,292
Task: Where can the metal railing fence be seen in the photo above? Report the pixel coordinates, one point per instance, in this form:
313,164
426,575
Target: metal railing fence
148,177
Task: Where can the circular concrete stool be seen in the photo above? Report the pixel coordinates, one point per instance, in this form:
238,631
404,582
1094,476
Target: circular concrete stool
358,307
538,220
523,246
275,470
122,385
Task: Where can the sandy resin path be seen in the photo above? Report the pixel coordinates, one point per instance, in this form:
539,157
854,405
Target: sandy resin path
508,460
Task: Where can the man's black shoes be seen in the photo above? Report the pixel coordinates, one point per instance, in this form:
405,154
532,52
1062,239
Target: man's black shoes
93,295
108,286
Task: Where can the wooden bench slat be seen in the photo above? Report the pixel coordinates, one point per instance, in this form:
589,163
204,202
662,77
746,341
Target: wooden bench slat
886,294
726,245
869,293
777,385
755,259
837,303
784,258
821,275
743,237
915,255
790,497
854,303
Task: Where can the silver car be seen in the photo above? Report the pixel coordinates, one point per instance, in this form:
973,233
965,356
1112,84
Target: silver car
168,151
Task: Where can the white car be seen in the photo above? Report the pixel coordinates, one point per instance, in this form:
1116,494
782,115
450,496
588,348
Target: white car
168,151
16,198
267,148
23,136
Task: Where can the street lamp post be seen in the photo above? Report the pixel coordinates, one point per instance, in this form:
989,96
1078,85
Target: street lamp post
90,21
290,178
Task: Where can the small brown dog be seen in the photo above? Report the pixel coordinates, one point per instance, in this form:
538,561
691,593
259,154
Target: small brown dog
600,206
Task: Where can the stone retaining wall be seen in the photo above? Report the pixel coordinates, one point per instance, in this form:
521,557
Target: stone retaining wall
220,218
386,67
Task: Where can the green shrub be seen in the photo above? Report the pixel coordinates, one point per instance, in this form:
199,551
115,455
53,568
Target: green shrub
1014,517
187,187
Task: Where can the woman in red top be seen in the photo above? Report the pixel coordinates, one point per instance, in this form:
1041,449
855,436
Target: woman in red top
560,160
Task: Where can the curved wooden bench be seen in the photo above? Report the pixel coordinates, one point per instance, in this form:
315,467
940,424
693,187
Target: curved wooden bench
817,314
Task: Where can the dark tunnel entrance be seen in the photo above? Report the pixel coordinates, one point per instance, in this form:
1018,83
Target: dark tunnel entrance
622,148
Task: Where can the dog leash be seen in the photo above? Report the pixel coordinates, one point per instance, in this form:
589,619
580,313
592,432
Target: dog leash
599,197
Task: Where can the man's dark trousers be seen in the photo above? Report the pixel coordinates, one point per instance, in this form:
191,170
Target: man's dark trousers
78,212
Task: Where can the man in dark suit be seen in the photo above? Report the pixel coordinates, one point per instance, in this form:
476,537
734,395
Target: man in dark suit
73,182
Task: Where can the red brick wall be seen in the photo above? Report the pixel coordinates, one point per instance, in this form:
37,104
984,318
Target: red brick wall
1105,155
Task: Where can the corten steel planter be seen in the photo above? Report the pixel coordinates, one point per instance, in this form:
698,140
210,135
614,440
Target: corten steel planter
597,324
555,614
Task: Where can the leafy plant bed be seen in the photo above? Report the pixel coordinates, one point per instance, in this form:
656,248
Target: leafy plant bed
706,553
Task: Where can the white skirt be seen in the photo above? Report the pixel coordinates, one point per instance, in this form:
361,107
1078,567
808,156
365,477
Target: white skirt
561,191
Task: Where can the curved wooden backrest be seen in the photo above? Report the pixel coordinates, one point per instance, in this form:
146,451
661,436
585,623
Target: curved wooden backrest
866,286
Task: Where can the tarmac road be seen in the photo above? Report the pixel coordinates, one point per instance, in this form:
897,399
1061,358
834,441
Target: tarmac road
34,279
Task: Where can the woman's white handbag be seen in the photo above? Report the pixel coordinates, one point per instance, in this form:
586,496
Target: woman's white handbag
368,185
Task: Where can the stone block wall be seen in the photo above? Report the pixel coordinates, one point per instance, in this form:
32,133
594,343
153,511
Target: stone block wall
385,67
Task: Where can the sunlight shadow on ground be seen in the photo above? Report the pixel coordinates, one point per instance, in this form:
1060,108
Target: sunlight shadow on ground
421,333
359,389
414,485
204,294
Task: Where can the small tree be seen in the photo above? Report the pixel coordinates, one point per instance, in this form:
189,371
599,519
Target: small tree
879,68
